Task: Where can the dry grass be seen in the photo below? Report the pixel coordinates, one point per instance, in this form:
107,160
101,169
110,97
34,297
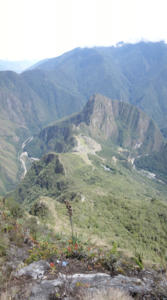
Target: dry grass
109,294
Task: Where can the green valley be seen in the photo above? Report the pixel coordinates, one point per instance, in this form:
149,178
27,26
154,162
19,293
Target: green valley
111,201
55,88
94,170
83,174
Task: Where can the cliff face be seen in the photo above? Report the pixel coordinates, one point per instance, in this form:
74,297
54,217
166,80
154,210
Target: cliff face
104,120
123,123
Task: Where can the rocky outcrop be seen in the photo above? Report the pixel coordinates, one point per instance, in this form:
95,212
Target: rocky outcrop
35,282
105,120
122,123
36,270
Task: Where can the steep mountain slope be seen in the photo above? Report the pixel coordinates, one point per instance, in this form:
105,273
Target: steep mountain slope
94,171
87,71
18,115
111,201
23,111
59,100
19,103
155,163
104,120
58,87
131,73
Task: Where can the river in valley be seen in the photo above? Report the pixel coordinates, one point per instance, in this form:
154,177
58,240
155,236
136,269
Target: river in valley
25,158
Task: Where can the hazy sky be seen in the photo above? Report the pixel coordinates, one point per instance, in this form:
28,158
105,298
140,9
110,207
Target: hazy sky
36,29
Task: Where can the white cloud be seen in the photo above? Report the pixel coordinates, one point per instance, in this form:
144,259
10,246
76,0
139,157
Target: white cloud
45,28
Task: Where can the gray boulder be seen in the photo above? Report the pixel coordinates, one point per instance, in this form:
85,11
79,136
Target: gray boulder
36,270
65,286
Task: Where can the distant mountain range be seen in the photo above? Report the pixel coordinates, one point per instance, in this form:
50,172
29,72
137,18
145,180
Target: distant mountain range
134,73
55,88
16,66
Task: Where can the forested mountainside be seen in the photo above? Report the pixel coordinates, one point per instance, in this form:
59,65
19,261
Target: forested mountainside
134,73
83,161
90,156
58,87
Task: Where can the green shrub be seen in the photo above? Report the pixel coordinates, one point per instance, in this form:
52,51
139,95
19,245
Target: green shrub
14,207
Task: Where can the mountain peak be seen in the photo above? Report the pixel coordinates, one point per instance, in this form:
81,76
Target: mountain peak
97,99
95,107
104,120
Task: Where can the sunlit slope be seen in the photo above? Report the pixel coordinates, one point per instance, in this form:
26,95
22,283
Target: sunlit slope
95,171
111,201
